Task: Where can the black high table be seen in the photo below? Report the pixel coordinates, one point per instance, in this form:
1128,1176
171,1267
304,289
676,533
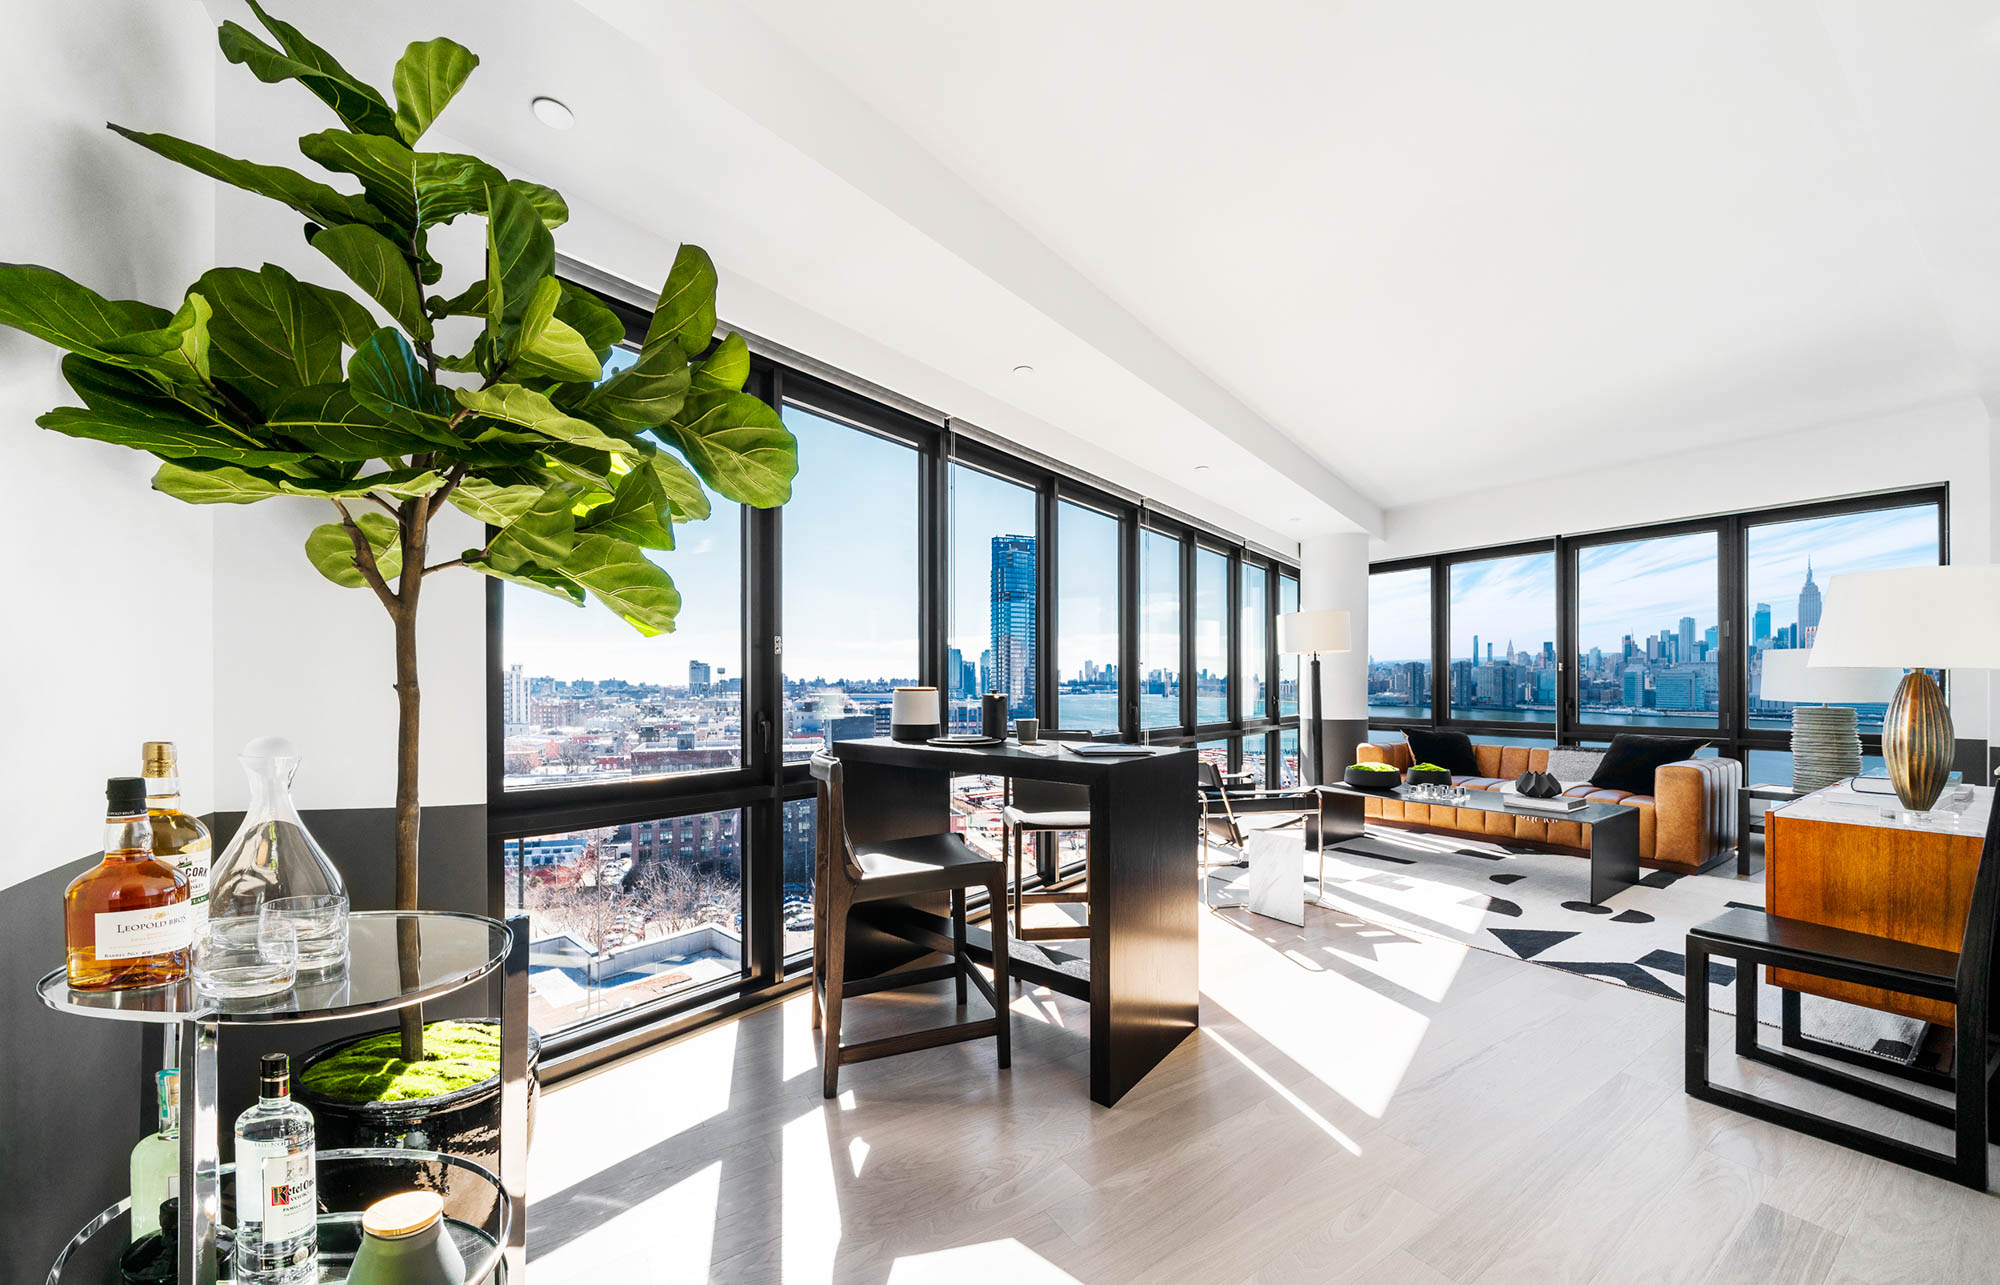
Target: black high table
1145,895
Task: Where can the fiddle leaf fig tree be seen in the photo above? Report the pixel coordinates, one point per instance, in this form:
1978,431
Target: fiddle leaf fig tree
259,385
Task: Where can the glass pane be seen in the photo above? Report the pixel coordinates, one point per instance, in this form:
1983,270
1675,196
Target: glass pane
1216,752
588,699
1160,629
1789,564
1399,644
993,589
1503,630
1288,666
850,638
1211,636
1288,759
1648,642
1254,751
801,815
1086,619
1251,689
623,915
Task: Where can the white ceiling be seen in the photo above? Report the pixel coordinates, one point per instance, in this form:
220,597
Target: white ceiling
1348,256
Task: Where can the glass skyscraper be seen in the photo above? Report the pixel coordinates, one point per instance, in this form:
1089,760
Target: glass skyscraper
1013,622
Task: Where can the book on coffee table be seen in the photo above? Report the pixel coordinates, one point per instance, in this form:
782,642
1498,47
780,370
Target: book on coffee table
1561,803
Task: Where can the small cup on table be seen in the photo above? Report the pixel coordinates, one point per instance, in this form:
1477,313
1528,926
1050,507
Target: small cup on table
1027,730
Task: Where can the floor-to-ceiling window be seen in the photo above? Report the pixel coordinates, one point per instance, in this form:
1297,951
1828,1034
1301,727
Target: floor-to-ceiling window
1254,608
1211,636
993,589
1288,666
1648,633
1502,638
1087,619
1159,629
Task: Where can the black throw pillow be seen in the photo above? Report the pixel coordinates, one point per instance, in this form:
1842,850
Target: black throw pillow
1449,750
1630,762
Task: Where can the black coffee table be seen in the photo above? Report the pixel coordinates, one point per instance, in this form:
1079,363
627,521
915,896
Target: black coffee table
1614,829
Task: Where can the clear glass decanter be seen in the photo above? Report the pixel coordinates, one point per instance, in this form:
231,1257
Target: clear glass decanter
273,856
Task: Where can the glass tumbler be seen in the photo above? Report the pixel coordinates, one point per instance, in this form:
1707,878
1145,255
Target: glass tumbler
242,956
320,923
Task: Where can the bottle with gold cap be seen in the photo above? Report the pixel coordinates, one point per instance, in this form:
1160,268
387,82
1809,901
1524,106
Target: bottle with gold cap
180,840
404,1241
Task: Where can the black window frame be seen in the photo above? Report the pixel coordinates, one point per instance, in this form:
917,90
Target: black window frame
1732,736
764,784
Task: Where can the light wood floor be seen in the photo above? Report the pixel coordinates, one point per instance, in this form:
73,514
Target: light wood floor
1358,1105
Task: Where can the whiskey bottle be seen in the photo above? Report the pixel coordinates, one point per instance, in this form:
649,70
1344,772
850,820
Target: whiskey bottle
156,1161
178,839
277,1202
125,920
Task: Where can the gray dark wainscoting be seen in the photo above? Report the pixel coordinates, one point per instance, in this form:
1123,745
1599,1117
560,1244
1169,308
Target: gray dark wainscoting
76,1094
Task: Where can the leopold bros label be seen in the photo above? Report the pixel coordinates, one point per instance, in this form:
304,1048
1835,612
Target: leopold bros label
133,934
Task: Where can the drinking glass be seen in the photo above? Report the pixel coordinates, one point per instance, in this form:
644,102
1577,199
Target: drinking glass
241,956
321,925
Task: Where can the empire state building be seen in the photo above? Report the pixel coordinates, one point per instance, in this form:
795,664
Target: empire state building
1808,608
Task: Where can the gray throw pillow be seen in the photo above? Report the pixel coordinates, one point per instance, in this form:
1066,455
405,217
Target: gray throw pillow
1574,767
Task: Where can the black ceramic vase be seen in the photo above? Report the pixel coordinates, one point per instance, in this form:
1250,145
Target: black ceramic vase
1363,778
1537,785
1427,776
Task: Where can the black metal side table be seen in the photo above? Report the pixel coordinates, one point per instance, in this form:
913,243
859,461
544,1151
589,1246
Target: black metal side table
1745,793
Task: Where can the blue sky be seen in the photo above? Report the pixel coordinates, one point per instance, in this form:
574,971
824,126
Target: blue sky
1640,587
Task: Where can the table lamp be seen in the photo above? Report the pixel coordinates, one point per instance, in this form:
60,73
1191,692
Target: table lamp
1915,618
1313,633
1825,746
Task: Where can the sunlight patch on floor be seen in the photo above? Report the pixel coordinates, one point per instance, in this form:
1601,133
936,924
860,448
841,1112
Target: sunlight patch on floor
996,1260
1292,1099
671,1232
810,1201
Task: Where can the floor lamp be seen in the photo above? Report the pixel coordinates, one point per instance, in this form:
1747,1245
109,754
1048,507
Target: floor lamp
1915,618
1313,634
1825,746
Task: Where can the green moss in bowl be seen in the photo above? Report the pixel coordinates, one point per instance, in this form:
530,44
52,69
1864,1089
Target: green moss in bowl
1427,767
1370,767
457,1055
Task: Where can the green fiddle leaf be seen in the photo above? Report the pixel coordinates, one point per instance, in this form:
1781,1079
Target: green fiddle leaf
389,380
354,322
623,578
543,533
128,409
373,262
635,512
547,201
469,302
328,420
178,352
401,483
330,548
358,105
525,408
685,313
600,327
492,503
738,445
726,368
519,254
428,75
48,305
309,197
644,395
684,491
547,346
214,485
416,190
530,576
270,333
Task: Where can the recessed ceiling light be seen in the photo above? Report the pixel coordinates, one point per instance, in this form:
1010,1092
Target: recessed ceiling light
1024,371
553,113
1201,468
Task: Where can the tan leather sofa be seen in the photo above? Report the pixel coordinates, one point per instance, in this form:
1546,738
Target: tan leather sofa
1687,822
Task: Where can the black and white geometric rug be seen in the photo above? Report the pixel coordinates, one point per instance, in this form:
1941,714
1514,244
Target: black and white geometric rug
1535,906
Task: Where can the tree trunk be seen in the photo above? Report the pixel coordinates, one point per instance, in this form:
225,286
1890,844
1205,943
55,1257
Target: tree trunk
409,818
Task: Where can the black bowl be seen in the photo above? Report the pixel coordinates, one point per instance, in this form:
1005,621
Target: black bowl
1362,778
1430,776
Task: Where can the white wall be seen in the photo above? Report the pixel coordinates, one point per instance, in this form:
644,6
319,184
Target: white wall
105,638
1948,442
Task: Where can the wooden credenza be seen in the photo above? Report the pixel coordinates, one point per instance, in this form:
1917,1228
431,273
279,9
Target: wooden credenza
1832,858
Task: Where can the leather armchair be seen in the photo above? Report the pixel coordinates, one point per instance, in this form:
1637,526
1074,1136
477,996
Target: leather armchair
1687,822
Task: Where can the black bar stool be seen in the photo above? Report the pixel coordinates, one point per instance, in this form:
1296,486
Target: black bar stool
846,875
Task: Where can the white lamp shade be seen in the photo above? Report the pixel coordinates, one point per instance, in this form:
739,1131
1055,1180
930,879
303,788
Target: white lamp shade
1788,677
914,706
1912,618
1308,633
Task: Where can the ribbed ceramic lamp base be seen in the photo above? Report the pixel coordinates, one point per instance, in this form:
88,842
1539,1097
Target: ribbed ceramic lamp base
1825,746
1917,742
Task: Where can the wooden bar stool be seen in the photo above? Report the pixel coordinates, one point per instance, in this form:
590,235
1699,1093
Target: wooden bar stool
1047,807
845,875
